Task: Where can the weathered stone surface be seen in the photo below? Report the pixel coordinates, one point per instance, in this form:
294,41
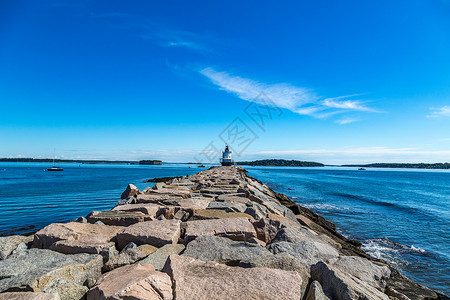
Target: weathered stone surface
256,241
118,218
137,282
157,198
195,279
108,253
223,250
209,214
281,261
129,257
146,208
284,220
343,286
300,234
363,269
228,206
66,290
182,215
128,200
238,229
80,246
75,237
315,292
10,243
257,211
130,191
306,252
267,229
404,288
29,296
194,203
34,269
233,198
155,233
171,192
159,257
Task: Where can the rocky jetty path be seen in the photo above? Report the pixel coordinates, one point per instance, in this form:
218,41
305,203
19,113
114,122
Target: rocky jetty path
218,234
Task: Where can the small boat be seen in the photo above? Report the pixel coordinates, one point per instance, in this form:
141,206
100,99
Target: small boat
54,169
201,166
361,169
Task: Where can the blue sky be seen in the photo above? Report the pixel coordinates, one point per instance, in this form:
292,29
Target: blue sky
335,82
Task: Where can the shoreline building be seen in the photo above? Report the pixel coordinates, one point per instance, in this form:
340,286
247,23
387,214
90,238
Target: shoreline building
226,157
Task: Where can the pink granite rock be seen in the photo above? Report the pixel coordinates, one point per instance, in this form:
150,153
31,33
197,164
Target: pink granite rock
194,203
138,282
118,217
75,237
156,198
238,229
131,190
29,296
148,209
195,279
155,233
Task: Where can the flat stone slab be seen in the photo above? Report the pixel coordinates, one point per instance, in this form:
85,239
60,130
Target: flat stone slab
209,214
34,269
228,206
238,229
29,296
194,203
10,243
146,208
223,250
155,233
155,198
74,237
195,279
118,218
172,192
137,282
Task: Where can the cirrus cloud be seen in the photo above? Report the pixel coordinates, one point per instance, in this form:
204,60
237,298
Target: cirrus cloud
299,100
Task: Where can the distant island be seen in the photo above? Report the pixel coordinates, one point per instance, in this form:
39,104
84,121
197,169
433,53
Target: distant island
150,162
404,165
280,163
82,161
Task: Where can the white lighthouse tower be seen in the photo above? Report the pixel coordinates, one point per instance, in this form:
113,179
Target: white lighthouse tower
226,157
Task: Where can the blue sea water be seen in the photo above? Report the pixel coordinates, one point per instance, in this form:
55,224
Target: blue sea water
402,216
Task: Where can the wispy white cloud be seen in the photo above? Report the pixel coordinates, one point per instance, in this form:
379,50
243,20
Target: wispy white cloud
345,121
443,111
178,39
296,99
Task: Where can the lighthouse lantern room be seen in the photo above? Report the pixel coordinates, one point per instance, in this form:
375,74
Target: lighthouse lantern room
226,157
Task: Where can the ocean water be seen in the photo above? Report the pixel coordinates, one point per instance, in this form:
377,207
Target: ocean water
402,216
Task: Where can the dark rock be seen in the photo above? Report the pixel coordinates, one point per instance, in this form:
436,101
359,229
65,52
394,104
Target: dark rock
158,258
341,286
306,252
223,250
34,269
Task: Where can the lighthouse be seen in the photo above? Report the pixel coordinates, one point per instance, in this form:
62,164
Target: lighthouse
226,157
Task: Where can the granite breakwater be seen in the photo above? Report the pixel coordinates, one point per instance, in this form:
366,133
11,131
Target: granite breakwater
218,234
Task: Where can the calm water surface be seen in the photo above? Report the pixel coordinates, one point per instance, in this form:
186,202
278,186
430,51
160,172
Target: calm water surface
402,216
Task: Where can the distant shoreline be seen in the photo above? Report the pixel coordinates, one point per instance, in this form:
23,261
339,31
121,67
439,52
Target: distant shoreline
256,163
